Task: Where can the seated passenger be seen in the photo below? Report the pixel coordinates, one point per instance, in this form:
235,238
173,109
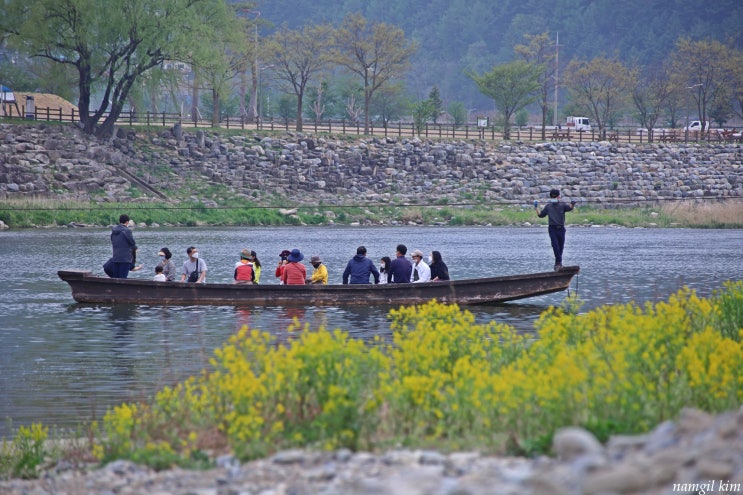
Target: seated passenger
359,268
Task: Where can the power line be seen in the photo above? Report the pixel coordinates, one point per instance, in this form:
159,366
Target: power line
598,201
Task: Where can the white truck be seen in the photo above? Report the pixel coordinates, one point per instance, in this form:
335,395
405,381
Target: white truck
578,124
696,125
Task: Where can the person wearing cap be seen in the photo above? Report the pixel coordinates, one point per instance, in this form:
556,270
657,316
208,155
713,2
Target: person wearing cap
244,271
421,271
169,269
319,271
123,247
282,263
400,269
555,210
294,273
359,268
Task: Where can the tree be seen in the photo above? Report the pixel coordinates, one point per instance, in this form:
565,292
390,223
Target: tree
221,57
378,53
512,86
298,56
703,67
651,92
389,103
458,112
540,51
599,87
437,106
110,44
737,85
422,111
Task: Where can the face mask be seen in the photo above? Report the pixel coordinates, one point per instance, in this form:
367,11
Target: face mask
195,255
553,200
430,259
381,265
162,258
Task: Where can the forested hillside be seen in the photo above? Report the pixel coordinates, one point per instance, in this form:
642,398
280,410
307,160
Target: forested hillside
457,35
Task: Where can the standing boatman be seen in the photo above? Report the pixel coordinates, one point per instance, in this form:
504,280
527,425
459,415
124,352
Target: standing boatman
556,210
123,247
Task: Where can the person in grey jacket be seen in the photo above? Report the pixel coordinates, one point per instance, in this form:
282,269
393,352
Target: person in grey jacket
359,268
555,210
123,246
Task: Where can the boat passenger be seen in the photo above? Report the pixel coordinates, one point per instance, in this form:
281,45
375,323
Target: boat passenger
384,270
194,268
282,263
294,272
319,272
244,272
401,268
159,275
421,271
439,270
167,264
256,267
359,268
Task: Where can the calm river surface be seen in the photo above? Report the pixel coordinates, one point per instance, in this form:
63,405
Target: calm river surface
62,362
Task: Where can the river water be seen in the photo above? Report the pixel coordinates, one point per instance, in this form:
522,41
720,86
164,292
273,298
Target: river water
63,362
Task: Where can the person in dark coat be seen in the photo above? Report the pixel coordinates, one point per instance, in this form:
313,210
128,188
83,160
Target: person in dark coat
123,246
359,268
439,270
401,268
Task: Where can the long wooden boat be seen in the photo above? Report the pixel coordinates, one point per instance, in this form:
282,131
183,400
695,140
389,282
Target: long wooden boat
89,288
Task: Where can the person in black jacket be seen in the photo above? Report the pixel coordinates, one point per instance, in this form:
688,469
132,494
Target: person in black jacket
359,268
123,246
439,270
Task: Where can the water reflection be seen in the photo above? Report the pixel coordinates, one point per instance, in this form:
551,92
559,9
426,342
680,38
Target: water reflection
62,361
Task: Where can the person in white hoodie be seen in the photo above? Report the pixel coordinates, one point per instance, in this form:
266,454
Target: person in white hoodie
421,270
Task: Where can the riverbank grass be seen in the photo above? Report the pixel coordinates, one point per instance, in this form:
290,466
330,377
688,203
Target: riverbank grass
53,213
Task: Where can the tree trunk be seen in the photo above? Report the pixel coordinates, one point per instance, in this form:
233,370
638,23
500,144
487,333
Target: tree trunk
300,122
215,108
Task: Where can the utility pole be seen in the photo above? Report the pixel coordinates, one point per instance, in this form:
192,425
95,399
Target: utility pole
557,69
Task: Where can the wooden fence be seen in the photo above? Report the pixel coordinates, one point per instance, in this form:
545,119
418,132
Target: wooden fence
396,129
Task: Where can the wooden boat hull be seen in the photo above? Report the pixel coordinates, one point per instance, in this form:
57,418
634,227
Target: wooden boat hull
88,288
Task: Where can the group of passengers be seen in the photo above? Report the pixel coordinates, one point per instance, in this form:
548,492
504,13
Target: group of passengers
289,271
362,270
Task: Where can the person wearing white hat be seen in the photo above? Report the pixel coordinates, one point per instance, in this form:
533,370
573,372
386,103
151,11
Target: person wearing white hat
421,270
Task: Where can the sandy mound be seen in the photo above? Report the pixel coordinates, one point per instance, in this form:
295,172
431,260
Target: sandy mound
42,101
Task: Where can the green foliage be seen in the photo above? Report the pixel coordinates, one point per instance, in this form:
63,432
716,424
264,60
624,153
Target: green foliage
458,112
437,106
22,457
421,113
512,87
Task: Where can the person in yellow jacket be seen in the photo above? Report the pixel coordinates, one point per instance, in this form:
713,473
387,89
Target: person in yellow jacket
319,272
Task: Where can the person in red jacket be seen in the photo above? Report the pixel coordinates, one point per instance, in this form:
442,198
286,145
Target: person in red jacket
295,273
282,263
244,270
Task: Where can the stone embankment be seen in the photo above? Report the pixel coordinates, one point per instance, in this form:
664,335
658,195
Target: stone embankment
697,454
44,161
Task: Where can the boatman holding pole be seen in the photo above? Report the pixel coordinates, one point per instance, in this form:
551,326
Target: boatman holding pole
556,210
